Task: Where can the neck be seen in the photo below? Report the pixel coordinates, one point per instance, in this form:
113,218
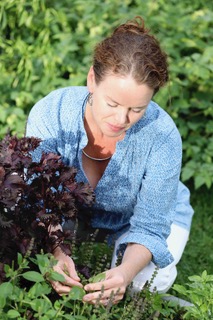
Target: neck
95,159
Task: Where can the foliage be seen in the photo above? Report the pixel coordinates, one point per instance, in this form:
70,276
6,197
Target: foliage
200,293
187,38
35,197
39,301
48,44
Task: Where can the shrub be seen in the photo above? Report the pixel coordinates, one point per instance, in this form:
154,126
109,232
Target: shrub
45,45
200,293
35,197
38,301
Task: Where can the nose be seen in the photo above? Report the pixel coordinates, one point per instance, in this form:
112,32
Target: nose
122,116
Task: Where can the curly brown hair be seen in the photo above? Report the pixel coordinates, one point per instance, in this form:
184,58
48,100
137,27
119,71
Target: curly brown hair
132,50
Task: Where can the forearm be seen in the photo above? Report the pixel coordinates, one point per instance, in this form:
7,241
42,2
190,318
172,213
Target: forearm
135,258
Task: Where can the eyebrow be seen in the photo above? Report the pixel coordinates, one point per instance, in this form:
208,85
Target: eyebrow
141,107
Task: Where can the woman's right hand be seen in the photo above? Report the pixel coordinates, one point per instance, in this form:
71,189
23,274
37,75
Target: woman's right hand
66,267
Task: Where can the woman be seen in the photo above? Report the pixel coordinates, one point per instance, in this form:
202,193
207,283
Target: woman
129,150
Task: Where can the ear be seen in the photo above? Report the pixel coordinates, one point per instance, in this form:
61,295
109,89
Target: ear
91,80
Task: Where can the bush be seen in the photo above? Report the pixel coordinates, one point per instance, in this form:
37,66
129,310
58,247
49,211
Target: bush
35,197
47,44
38,301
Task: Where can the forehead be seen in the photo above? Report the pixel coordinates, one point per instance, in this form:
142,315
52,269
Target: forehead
124,90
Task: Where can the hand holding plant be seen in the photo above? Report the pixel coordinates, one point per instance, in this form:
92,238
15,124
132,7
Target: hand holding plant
66,267
105,286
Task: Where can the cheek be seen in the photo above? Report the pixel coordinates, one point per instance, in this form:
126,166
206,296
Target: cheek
136,117
106,112
101,112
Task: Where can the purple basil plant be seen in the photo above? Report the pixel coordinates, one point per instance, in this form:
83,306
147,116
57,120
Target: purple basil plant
34,196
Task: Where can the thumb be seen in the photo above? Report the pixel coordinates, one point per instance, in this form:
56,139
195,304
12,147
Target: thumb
74,275
72,272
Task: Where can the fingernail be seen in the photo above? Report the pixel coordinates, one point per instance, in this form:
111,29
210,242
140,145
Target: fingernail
86,298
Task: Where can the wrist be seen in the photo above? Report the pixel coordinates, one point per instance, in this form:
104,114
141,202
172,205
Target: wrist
127,272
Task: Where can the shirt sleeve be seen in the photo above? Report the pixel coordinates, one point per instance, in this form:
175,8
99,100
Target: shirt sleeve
44,123
183,210
155,208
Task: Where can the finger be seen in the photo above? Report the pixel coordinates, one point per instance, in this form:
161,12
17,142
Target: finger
106,301
97,286
113,294
106,284
69,281
59,288
68,268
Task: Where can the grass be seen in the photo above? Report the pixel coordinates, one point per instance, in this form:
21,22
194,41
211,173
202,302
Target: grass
198,254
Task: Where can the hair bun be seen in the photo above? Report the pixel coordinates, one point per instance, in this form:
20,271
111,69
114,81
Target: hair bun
132,50
136,26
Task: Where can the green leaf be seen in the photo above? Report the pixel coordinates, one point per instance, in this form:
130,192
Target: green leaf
52,314
12,314
38,289
6,289
20,259
41,305
195,278
55,276
180,289
199,181
2,302
76,293
70,317
33,276
97,278
187,173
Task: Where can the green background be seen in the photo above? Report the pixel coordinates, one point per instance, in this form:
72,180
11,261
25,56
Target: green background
45,45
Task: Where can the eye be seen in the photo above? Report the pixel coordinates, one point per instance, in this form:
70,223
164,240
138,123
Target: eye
138,110
111,105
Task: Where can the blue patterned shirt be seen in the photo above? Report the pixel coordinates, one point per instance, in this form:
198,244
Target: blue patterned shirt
140,189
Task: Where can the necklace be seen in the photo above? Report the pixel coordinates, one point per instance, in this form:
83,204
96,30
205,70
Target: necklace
96,159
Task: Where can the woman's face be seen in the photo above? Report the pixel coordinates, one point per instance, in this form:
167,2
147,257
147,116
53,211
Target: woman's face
118,103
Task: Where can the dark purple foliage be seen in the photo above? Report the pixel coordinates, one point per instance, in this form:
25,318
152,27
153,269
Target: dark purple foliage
33,197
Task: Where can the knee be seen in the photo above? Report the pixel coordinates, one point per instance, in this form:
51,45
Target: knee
164,279
161,283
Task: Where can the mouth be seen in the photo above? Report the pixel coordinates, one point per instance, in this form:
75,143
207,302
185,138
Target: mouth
115,128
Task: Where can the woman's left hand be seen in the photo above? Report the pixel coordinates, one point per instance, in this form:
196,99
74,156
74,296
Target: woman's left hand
117,279
115,284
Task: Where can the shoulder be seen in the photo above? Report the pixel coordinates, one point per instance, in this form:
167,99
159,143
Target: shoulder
57,112
159,118
61,100
156,131
157,123
68,93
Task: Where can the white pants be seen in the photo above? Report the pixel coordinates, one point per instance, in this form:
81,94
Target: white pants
166,276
